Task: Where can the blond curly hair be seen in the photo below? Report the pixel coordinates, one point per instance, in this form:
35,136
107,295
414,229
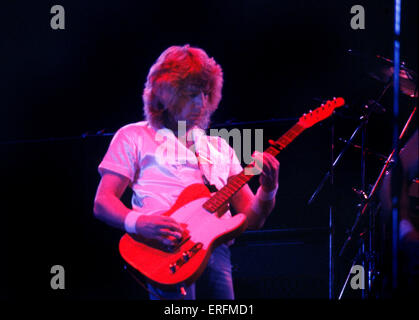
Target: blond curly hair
177,69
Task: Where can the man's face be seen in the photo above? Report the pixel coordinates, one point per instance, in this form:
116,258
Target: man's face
192,105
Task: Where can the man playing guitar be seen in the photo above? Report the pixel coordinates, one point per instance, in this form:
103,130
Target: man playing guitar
183,87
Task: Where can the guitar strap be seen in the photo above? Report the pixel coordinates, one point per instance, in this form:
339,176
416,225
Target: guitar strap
212,188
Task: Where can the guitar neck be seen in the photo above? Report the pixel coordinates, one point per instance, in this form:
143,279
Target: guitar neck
236,182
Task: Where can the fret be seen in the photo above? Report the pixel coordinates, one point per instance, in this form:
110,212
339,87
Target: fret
297,128
217,202
223,198
240,178
285,141
232,184
212,206
236,189
290,134
235,184
228,187
243,179
288,139
223,195
272,151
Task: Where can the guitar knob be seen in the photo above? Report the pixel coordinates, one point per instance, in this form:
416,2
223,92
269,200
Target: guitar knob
186,256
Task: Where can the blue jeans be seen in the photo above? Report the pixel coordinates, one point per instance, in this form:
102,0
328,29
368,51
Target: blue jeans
215,282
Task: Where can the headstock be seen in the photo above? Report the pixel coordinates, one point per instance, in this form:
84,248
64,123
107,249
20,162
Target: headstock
321,113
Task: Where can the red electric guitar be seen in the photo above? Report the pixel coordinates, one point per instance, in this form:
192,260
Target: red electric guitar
199,213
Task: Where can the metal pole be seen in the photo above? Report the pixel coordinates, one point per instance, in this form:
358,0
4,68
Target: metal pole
363,159
395,195
331,223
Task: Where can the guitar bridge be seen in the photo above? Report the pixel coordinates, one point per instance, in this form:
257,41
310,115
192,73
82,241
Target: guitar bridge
186,256
184,240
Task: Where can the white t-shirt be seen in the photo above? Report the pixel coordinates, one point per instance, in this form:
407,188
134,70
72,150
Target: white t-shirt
160,167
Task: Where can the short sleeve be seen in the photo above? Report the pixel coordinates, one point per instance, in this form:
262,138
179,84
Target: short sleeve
235,166
122,154
234,163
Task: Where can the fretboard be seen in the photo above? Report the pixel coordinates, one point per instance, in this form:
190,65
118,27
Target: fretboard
236,182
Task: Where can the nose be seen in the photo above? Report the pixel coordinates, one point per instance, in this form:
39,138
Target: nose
199,101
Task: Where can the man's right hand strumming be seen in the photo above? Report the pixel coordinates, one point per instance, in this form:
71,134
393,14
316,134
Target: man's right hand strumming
163,229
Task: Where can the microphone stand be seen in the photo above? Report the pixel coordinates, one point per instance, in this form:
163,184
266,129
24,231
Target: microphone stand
338,158
368,201
331,216
330,175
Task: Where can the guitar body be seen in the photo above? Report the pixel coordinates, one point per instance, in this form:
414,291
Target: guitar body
185,263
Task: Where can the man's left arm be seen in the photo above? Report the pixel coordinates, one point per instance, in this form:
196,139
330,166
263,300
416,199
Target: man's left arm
257,207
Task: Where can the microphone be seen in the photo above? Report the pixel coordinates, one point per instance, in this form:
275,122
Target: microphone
375,106
360,193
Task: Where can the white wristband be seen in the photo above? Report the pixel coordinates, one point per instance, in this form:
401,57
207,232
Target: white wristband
130,221
263,196
266,196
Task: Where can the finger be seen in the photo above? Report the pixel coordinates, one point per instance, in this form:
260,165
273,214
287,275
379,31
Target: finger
269,176
272,164
270,172
168,233
267,169
270,159
258,156
171,227
167,241
171,224
259,159
266,161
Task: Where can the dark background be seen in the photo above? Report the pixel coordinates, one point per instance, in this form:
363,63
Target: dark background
279,58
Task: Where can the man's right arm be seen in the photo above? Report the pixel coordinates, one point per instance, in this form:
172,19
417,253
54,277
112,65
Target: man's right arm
109,208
